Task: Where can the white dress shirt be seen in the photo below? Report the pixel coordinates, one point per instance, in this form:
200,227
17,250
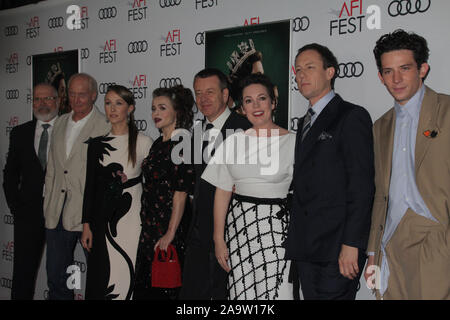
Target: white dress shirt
73,131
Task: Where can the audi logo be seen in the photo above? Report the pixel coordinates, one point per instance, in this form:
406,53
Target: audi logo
169,82
6,283
169,3
45,294
84,53
200,38
350,70
80,265
294,123
28,60
404,7
55,22
107,13
12,94
11,31
141,125
300,24
8,219
138,46
103,87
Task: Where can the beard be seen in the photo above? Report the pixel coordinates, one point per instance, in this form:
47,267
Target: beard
45,113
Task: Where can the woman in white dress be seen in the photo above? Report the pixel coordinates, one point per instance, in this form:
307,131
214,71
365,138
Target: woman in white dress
252,172
112,200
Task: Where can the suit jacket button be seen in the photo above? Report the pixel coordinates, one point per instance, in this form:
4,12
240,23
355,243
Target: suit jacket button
381,227
65,171
63,190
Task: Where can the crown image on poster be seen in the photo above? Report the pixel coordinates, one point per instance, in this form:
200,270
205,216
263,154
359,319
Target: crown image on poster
237,58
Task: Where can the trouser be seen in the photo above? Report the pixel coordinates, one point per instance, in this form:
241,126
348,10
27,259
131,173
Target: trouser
60,249
323,281
29,242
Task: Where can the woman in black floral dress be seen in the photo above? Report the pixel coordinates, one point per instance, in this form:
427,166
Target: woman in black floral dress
165,209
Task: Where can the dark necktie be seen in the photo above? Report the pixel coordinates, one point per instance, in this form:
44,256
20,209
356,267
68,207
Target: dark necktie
307,122
42,149
206,135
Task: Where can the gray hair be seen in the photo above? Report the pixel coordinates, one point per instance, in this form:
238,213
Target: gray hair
91,81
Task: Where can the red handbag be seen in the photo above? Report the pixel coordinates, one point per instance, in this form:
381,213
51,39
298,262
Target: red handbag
166,270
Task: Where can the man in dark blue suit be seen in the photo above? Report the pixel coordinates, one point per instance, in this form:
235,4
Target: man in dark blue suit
333,183
23,181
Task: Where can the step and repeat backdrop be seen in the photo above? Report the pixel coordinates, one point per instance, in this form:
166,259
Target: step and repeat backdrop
145,44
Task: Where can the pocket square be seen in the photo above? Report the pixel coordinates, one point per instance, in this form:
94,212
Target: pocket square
324,136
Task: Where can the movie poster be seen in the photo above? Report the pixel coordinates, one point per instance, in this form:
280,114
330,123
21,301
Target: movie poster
56,68
263,48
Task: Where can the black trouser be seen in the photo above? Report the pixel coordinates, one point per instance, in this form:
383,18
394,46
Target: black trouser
29,242
323,281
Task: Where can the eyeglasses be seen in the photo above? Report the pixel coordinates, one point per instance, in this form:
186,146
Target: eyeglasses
44,99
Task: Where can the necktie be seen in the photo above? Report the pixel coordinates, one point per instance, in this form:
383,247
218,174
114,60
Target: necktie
307,122
42,150
206,134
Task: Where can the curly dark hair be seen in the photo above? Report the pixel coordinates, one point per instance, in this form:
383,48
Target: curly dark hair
400,40
329,60
182,101
258,78
128,97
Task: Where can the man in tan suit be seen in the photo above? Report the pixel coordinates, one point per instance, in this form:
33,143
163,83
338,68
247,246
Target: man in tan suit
410,236
65,179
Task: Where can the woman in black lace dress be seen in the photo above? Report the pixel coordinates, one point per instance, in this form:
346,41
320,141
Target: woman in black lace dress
165,205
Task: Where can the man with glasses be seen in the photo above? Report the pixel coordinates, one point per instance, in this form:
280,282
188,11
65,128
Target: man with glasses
23,182
65,179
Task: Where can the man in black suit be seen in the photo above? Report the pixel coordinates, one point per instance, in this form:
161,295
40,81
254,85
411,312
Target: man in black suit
333,183
23,181
203,278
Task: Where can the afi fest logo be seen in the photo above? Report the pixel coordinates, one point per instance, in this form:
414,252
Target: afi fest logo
251,21
12,64
32,30
204,4
351,18
139,88
78,17
138,10
172,44
109,53
8,251
13,121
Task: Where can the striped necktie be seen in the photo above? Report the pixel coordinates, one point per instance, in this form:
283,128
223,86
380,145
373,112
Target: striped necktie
42,149
307,122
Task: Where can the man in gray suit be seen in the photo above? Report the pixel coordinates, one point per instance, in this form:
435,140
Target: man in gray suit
65,179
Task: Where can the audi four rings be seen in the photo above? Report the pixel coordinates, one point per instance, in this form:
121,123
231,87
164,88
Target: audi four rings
350,70
11,30
12,94
300,24
103,87
169,82
138,46
404,7
55,22
84,52
107,13
169,3
200,38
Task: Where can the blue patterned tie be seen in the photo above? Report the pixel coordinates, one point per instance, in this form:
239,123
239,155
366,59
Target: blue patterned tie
307,122
42,150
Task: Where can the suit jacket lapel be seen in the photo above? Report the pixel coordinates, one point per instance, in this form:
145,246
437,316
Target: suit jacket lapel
386,146
84,134
427,121
326,117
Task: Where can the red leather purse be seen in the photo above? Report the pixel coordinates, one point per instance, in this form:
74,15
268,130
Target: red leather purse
166,270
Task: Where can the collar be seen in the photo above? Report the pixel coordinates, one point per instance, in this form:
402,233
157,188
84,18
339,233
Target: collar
39,123
412,107
220,121
322,103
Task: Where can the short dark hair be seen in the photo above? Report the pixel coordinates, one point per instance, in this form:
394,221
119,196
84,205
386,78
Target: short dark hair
258,78
213,72
182,101
401,40
328,58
